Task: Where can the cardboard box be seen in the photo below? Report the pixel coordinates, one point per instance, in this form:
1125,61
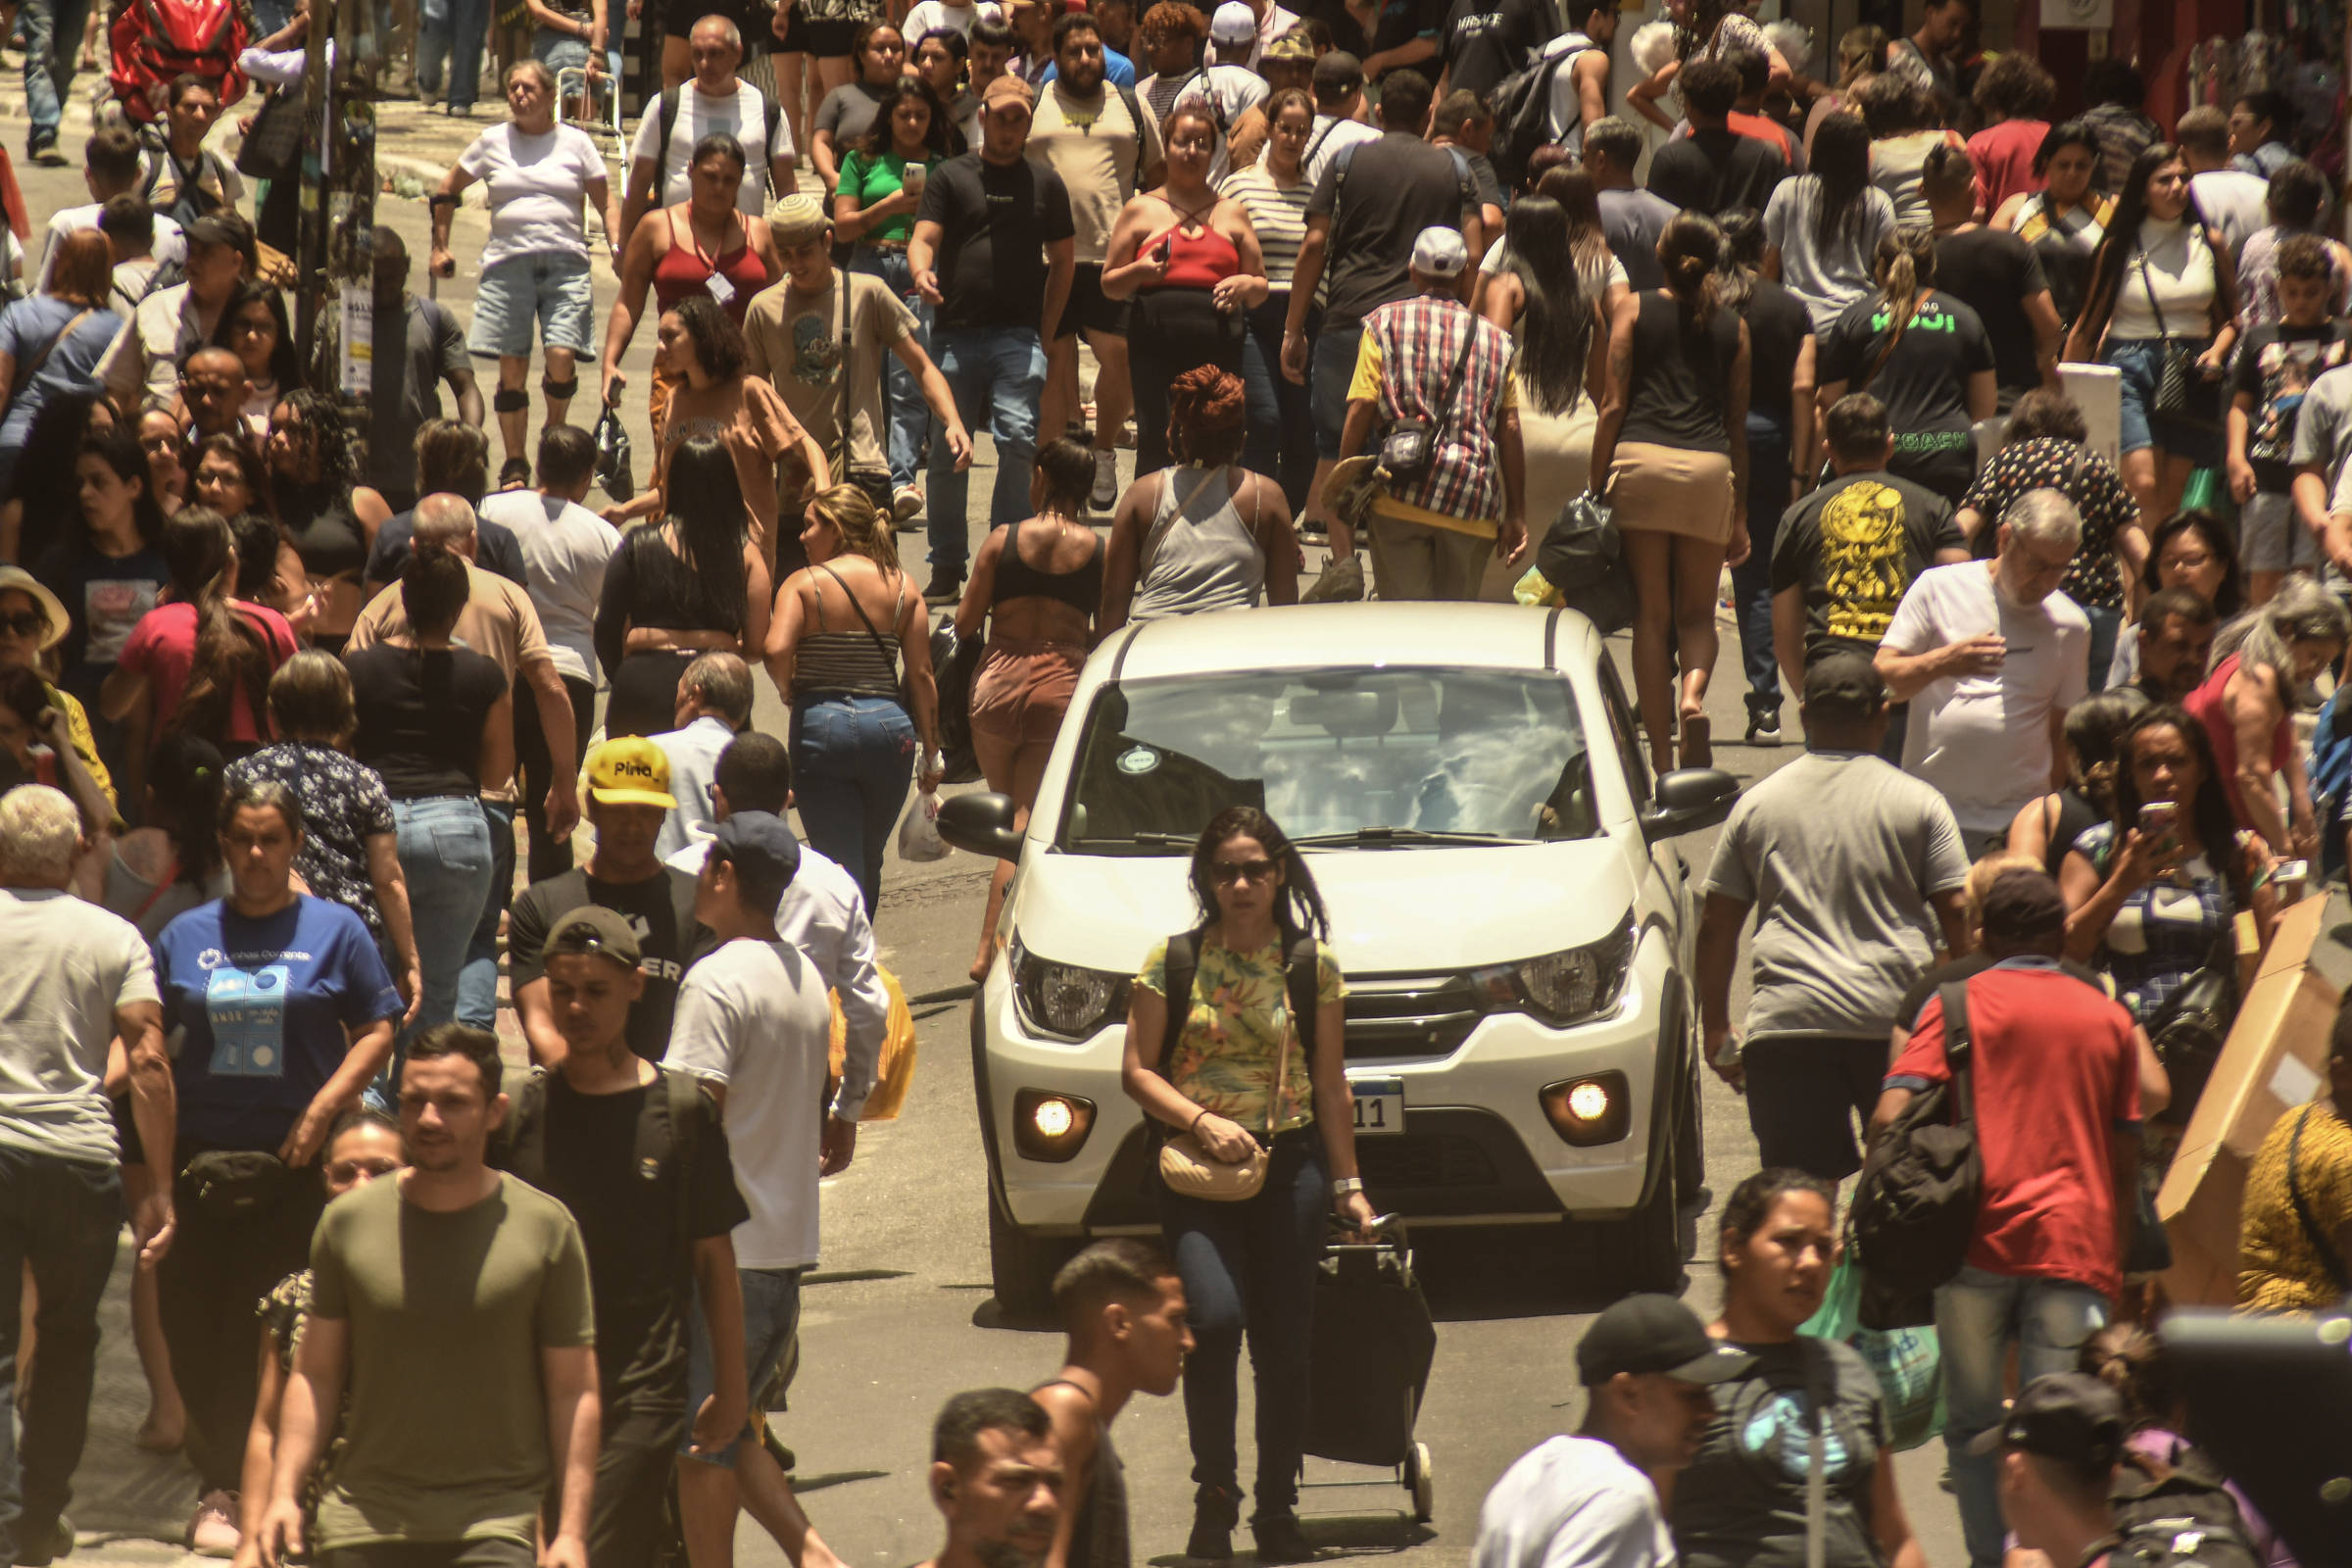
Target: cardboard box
2274,1060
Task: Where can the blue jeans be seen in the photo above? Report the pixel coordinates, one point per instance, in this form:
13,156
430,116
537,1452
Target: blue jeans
1768,476
998,372
1281,444
445,854
909,414
2106,625
1977,1317
1331,366
62,1216
452,32
52,47
1252,1265
772,1319
853,762
478,982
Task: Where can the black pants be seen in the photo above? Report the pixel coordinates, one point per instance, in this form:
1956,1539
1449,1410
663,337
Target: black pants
630,1515
431,1554
61,1216
219,1266
1803,1095
549,857
1170,332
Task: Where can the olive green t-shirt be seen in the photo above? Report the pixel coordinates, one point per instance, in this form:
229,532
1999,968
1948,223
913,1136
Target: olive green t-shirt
448,1312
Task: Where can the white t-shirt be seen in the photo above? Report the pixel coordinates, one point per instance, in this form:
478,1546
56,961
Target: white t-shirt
566,549
1325,140
1985,739
932,16
2232,201
752,1016
2172,295
743,115
168,246
538,186
70,965
1572,1502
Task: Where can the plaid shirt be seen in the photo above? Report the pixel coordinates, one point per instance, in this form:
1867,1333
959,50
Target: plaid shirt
2123,135
1420,339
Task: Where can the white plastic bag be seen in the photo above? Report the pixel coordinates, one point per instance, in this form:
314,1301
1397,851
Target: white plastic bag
918,834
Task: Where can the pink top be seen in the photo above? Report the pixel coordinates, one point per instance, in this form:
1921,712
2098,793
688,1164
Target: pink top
162,647
2206,706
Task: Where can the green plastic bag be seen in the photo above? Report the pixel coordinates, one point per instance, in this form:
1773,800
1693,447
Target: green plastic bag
1907,1362
2206,492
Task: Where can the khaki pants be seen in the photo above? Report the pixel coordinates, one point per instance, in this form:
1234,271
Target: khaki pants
1415,561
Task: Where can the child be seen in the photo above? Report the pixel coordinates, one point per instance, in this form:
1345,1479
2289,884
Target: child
2276,365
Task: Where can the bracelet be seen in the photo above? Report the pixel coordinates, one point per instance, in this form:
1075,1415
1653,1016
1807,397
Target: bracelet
1345,1186
1195,1127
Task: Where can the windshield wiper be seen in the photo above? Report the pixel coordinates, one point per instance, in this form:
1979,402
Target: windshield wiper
1153,841
1376,838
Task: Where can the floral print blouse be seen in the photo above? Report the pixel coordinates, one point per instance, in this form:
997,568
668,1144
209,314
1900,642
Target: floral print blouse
1233,1030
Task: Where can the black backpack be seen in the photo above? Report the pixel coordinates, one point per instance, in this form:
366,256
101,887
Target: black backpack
1915,1209
1299,976
672,100
1522,105
2176,1515
1582,558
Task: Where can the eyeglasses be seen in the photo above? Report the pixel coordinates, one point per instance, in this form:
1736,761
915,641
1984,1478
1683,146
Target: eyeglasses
24,623
1228,873
346,1171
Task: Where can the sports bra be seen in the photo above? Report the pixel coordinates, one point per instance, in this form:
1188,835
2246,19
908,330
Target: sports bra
1196,261
686,266
1080,589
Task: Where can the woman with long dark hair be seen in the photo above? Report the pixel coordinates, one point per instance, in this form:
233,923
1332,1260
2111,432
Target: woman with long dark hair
680,588
2163,286
1822,229
228,477
1921,353
201,661
43,494
1547,285
940,57
1243,1081
329,518
2067,217
2046,829
157,872
254,328
1671,451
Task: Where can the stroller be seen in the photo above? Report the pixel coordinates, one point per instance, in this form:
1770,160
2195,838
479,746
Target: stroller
155,41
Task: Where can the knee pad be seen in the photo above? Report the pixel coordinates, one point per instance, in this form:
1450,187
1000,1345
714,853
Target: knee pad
560,391
511,400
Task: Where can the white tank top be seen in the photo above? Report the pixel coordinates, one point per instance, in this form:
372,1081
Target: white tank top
2180,267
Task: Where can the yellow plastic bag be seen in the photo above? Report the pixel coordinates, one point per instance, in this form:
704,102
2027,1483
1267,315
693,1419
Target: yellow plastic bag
897,1074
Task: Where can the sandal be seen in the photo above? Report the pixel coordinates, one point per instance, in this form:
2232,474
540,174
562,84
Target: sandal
1696,752
515,475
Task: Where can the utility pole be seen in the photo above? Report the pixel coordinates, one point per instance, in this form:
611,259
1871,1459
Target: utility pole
337,247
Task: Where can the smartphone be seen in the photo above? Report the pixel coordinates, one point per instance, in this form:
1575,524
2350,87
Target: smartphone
1162,253
2157,817
911,179
2287,879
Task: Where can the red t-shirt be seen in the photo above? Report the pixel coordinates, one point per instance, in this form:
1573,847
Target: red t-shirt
162,647
2004,158
2057,1081
1766,131
2206,706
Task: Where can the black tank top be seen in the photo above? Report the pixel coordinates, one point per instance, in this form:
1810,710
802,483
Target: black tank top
1081,590
1680,373
1099,1537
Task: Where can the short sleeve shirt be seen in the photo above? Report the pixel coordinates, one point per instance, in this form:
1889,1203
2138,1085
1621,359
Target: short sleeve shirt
538,188
1099,149
873,180
1379,197
2275,368
742,115
659,909
71,966
994,221
407,391
162,647
1853,547
795,339
343,806
1235,1024
1924,381
2089,481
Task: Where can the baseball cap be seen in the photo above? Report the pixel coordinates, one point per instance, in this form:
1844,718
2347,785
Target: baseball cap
1338,73
222,229
1645,1334
1439,252
1233,22
1292,45
2067,1416
1009,90
1844,686
759,846
630,771
2023,905
17,579
797,220
594,931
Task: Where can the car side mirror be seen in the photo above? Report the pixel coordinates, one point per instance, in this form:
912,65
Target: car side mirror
1687,800
983,823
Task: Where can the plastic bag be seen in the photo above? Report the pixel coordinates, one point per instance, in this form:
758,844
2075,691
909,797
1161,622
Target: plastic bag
896,1073
1907,1362
918,834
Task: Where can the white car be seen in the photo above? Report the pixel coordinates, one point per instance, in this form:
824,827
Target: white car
1468,786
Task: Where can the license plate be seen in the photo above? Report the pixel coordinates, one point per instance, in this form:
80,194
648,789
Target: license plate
1379,1105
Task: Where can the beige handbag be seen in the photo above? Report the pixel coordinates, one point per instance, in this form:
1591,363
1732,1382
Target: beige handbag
1191,1171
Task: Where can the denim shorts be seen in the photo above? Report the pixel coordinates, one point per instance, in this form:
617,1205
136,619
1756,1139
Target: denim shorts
552,290
2141,362
772,1319
560,51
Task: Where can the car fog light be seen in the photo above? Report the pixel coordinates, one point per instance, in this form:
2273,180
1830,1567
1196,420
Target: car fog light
1051,1127
1588,1112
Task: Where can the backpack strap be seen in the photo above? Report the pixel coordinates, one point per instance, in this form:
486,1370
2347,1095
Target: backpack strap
668,125
1183,962
521,1144
683,1092
1817,1484
2329,1258
1134,115
1303,979
1958,1046
767,148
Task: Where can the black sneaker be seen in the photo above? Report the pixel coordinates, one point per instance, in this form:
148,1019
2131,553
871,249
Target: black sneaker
947,588
1281,1540
48,157
41,1548
1764,726
1215,1511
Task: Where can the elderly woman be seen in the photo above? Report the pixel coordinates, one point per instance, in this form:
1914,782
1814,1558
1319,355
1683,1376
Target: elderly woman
534,269
2264,664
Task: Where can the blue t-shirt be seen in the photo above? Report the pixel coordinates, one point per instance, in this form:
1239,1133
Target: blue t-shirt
1117,69
259,1009
29,326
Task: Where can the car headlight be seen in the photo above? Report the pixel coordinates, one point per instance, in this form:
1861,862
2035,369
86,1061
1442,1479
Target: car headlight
1576,983
1065,1000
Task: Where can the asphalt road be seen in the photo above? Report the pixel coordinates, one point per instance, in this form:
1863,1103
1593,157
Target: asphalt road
900,1315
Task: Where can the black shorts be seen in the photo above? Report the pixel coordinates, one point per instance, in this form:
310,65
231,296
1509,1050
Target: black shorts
795,35
827,40
1803,1093
1090,308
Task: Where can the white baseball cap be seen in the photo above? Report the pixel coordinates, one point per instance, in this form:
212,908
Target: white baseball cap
1439,252
1233,22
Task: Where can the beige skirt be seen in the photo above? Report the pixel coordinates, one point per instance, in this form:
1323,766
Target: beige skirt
1656,489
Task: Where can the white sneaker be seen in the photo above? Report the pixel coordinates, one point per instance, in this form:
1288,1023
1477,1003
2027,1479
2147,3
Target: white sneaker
906,502
1107,481
213,1532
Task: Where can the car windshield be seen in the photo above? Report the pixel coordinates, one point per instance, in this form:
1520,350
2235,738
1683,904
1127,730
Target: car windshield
1377,757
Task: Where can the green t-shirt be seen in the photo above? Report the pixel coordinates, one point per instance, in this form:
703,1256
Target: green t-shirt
873,180
447,1433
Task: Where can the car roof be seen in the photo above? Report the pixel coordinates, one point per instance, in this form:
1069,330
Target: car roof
1321,636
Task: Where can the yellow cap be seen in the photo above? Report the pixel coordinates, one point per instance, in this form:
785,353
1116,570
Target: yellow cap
630,771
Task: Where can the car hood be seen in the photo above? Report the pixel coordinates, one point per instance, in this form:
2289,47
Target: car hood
1393,911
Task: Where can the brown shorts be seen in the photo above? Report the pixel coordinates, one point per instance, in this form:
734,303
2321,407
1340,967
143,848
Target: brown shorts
1022,690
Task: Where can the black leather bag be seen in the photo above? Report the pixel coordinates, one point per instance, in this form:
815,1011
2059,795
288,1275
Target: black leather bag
272,149
236,1183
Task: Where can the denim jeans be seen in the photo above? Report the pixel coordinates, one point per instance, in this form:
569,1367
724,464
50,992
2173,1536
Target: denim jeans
2106,625
445,854
998,375
909,414
62,1216
1768,476
1331,367
1252,1265
853,762
1281,443
52,47
452,32
1978,1317
478,983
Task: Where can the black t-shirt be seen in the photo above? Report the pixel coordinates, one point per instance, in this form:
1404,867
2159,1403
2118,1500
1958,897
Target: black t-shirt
994,221
1402,21
1854,546
1346,34
1710,171
500,552
1915,999
659,909
613,1161
1380,195
1778,325
1681,376
1485,40
1924,381
421,712
1994,272
2276,365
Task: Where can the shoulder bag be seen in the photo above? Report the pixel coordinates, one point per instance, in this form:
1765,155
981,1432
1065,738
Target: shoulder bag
2182,390
32,367
1410,445
2329,1258
272,148
1186,1165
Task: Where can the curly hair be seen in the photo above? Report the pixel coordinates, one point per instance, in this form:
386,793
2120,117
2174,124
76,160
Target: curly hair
1207,417
719,345
329,435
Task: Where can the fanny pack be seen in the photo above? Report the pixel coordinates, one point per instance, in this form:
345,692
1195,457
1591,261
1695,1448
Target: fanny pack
233,1182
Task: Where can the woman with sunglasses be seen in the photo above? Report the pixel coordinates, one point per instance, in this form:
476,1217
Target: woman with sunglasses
1236,1077
31,623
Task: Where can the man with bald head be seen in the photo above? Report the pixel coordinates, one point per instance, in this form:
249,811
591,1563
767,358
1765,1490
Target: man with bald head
712,102
214,386
499,623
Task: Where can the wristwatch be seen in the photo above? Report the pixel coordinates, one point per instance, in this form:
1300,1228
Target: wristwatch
1346,1185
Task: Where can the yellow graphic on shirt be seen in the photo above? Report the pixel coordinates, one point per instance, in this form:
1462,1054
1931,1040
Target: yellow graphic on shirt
1863,570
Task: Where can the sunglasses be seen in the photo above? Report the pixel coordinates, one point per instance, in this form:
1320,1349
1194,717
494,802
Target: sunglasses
1228,873
351,1170
24,623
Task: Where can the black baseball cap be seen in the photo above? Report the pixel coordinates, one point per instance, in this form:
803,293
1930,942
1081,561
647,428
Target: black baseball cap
2069,1416
2023,905
1338,73
759,845
1645,1334
594,931
1844,685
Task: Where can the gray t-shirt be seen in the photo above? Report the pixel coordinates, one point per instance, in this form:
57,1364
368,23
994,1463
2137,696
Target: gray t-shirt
1839,852
1826,279
407,392
2324,424
70,965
